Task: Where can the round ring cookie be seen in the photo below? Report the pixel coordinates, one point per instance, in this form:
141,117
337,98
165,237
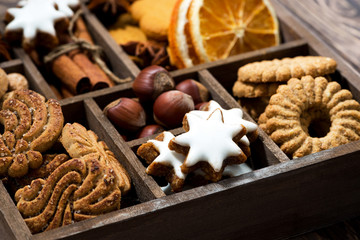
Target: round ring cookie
282,70
311,101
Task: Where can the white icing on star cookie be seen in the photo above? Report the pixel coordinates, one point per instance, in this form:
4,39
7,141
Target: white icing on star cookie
62,5
36,15
209,140
232,116
168,157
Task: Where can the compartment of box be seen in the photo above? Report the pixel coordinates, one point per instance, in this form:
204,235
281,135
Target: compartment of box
86,113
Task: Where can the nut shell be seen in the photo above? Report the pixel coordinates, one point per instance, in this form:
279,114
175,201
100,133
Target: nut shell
170,107
151,82
150,130
195,89
126,114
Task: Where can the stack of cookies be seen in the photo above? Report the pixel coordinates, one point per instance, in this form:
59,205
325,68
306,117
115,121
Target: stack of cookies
258,81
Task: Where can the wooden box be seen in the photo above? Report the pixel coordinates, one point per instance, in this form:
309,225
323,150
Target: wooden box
280,198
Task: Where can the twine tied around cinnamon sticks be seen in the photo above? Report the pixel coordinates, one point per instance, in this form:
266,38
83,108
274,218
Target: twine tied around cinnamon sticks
94,50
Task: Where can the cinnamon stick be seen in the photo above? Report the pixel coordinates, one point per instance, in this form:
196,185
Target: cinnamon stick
82,32
56,92
65,92
97,76
71,75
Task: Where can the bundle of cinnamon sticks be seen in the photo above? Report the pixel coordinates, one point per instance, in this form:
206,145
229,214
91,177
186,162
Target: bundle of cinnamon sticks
77,73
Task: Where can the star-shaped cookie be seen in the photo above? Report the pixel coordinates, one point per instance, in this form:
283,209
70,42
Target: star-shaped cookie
163,161
209,144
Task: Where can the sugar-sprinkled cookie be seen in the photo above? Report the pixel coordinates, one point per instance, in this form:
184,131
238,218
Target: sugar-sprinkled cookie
163,161
209,144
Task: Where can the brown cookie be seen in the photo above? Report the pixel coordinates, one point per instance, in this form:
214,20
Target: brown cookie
254,90
153,17
282,70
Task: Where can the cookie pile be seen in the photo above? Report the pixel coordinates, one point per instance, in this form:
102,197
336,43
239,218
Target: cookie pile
214,138
258,81
56,190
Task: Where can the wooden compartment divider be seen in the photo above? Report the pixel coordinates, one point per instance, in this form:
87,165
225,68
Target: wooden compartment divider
280,198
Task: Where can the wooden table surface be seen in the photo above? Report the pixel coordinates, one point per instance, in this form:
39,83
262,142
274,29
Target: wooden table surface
337,22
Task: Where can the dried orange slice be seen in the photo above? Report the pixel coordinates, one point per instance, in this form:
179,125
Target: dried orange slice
221,28
207,30
182,53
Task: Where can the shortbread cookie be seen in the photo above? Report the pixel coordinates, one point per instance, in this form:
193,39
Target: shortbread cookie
254,106
31,126
254,90
153,17
163,161
209,144
282,70
89,184
311,101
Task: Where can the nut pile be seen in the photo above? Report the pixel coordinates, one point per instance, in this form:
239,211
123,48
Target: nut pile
160,103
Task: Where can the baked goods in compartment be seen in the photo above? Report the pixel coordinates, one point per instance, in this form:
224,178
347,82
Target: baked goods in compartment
258,81
59,43
215,143
309,115
154,102
76,176
184,33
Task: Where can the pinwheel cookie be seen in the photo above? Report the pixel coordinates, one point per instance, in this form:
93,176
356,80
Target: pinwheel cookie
89,184
311,102
31,126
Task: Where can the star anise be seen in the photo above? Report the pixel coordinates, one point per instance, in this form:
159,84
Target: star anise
4,50
147,53
112,6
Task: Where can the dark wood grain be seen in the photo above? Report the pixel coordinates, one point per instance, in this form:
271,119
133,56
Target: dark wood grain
337,22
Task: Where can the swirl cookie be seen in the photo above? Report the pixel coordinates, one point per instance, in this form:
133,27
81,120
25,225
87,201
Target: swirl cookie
31,126
308,101
71,190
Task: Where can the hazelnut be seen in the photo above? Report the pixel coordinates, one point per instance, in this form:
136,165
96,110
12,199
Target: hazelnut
150,130
126,114
151,82
195,89
17,82
170,107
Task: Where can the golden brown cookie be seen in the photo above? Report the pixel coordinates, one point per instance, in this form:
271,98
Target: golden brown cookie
4,82
302,103
254,90
282,70
254,106
153,17
163,161
31,126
